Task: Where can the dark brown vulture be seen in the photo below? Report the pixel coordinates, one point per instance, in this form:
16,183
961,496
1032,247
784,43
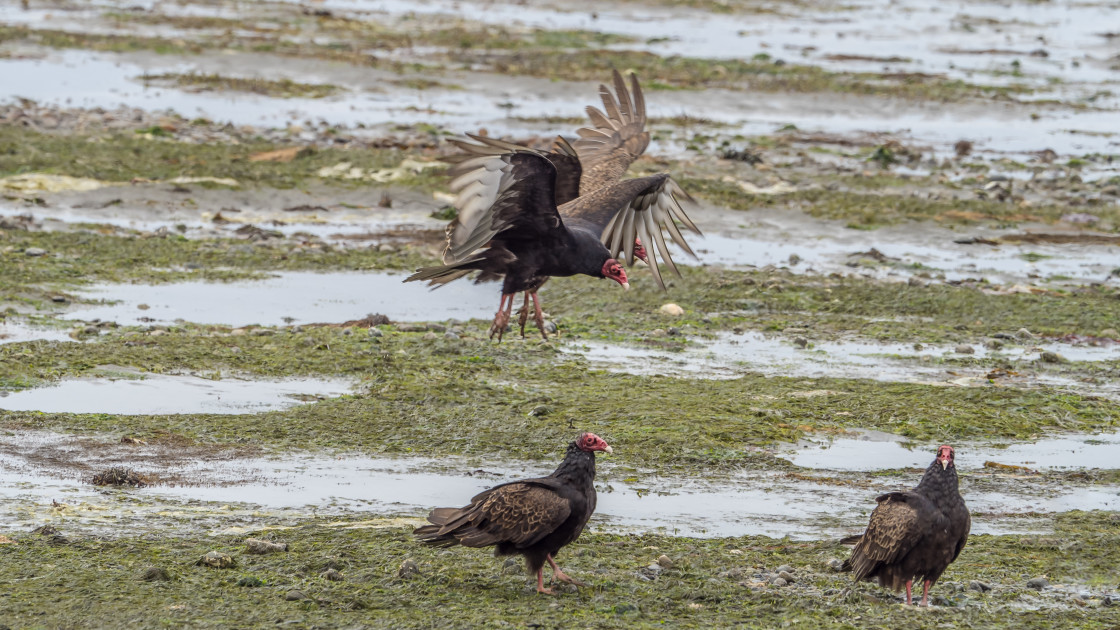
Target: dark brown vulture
534,517
914,534
526,215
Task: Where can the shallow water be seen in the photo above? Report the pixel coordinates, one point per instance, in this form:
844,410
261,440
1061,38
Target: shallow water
746,503
289,298
160,394
17,332
879,451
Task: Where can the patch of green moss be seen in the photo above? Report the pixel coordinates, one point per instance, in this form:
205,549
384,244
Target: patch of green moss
283,88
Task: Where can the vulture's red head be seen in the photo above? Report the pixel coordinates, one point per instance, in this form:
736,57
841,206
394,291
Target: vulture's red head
945,456
614,271
590,442
640,251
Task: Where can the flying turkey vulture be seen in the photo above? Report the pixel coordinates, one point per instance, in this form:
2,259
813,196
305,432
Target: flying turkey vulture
916,533
562,212
533,517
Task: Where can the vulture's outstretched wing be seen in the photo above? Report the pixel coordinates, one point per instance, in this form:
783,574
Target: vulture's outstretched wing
519,513
562,156
636,208
617,136
512,194
895,528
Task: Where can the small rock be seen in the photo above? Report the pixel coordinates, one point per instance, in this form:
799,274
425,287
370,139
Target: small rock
550,328
785,568
658,332
1052,357
1038,583
376,332
408,568
35,251
779,582
216,560
450,336
430,336
836,564
964,348
332,575
794,259
154,574
540,410
250,581
671,309
787,576
1023,333
295,596
673,331
994,344
915,281
437,328
801,342
60,299
665,561
1111,333
143,307
511,567
257,546
978,586
919,347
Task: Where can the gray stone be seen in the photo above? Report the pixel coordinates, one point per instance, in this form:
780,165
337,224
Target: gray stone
801,342
332,575
1038,583
550,328
216,560
295,596
836,564
437,328
787,576
779,582
978,586
964,348
376,332
408,568
1052,357
673,331
154,574
431,336
1023,333
1111,333
785,568
257,546
35,251
658,332
665,561
450,336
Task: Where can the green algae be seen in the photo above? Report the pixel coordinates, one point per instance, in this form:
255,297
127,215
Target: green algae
283,88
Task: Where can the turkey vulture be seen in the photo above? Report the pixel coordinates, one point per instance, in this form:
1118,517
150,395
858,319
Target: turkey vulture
916,533
561,212
533,517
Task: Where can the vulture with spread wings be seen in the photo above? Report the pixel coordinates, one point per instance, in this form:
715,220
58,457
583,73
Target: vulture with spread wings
527,215
914,534
534,517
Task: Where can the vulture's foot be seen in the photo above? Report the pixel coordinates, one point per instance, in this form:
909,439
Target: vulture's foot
538,316
501,318
560,575
909,583
925,595
523,314
540,583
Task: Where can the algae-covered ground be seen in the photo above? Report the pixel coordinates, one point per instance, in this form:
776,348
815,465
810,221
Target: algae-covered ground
910,238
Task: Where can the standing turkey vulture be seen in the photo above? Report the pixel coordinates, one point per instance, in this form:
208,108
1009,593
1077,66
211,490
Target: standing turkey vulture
916,533
559,213
533,517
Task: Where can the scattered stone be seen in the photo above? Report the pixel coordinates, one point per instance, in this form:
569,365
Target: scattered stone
295,596
408,568
994,344
801,342
1038,583
540,410
450,336
915,281
216,560
119,476
60,299
658,332
919,347
787,576
1023,333
665,561
511,567
35,251
250,581
673,331
437,328
1052,357
785,568
671,309
332,575
964,348
431,336
836,564
376,332
794,259
779,582
154,574
1111,333
979,587
133,441
258,546
550,328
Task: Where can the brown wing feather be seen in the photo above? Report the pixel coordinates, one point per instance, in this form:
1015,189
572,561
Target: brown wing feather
617,136
893,531
517,513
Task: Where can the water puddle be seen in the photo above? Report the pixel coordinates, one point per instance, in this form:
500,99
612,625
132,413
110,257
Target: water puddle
133,393
38,467
18,332
881,451
730,356
288,298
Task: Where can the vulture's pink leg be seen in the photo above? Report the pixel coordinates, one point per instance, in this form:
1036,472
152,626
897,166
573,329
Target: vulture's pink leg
540,583
524,315
538,316
560,575
925,595
908,583
501,318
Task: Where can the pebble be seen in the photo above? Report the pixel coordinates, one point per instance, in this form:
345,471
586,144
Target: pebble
437,328
785,568
673,331
801,342
35,251
295,596
1052,357
658,332
964,348
216,560
1023,333
450,335
376,332
540,410
154,574
779,582
978,586
408,568
550,328
794,259
430,336
919,347
1038,583
665,561
836,564
671,309
257,546
1111,333
785,575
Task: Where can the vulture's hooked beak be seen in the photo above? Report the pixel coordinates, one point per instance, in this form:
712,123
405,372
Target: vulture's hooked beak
608,449
944,463
625,285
